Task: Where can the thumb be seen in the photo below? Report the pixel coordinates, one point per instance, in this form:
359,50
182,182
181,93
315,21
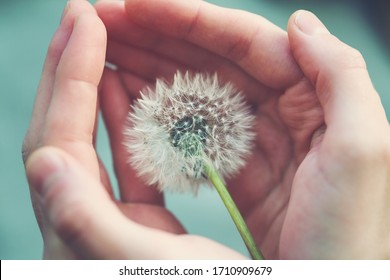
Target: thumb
83,215
78,208
338,73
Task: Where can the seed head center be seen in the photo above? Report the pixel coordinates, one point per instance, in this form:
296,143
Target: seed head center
189,135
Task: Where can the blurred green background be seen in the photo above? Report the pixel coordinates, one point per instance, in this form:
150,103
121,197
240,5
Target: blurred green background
26,28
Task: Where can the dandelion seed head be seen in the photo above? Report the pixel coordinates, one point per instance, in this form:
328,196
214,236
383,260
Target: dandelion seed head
175,128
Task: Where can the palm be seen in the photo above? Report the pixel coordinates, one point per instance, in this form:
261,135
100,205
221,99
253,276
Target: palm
263,190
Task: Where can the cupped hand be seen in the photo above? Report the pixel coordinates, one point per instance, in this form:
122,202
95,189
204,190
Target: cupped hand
70,190
317,182
65,111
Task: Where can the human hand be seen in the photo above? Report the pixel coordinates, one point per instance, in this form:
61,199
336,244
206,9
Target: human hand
78,218
64,114
317,184
339,201
71,193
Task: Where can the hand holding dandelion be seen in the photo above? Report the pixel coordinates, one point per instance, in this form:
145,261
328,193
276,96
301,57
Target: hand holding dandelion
185,135
307,190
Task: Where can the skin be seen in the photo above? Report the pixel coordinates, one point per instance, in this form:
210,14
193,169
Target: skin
315,187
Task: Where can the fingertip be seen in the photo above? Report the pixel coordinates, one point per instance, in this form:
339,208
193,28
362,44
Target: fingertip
307,22
92,28
291,24
73,8
72,109
91,23
83,57
316,50
337,72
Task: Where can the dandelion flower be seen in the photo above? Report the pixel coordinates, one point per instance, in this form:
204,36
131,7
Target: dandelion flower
189,133
174,129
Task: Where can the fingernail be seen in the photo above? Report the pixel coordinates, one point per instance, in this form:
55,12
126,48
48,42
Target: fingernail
42,167
308,23
66,9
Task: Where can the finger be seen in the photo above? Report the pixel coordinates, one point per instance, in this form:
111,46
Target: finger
133,84
115,108
122,30
79,211
352,107
126,35
44,93
150,65
141,62
84,216
125,32
71,116
250,41
73,106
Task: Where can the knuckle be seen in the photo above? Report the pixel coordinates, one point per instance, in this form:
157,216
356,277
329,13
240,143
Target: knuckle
237,50
346,62
351,58
26,151
366,151
193,24
27,148
239,46
54,49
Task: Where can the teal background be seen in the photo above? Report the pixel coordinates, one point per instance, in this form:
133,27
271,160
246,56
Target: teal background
26,28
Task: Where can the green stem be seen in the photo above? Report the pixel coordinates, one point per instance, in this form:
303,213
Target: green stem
233,211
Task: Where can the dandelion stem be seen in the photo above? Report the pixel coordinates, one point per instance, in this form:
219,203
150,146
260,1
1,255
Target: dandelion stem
233,211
